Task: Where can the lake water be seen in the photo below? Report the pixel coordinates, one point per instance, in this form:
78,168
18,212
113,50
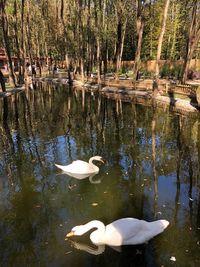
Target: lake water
152,171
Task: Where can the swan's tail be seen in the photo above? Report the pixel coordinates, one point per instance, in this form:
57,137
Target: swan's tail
60,167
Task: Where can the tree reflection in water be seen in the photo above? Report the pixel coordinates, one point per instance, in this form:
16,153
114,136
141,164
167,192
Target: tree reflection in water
152,170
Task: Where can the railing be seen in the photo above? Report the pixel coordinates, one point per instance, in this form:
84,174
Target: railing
186,89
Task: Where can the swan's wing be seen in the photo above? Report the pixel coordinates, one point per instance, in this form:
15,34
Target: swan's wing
80,166
120,231
77,167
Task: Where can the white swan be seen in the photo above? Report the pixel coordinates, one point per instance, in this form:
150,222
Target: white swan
81,167
126,231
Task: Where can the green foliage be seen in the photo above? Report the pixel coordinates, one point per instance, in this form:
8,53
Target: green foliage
168,71
45,33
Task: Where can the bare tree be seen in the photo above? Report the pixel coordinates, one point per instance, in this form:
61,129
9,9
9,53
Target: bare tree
140,20
121,30
160,40
193,38
159,48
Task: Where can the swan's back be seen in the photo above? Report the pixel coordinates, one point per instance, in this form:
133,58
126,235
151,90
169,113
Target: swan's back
131,231
78,167
119,231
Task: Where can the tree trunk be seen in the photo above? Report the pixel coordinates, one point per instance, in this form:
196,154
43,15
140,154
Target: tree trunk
81,40
29,46
15,20
140,29
138,50
118,44
98,62
121,30
193,39
122,45
175,27
12,77
65,34
105,59
22,39
160,41
98,56
2,82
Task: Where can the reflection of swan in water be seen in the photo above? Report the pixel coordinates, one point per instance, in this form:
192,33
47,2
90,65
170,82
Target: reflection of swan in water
92,250
126,231
83,176
80,167
98,249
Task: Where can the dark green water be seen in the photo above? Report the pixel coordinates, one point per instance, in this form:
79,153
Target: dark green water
152,172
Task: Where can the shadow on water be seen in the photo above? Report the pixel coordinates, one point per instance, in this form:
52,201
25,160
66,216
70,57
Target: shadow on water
152,172
172,99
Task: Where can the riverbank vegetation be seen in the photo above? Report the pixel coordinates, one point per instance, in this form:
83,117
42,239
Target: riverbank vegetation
88,36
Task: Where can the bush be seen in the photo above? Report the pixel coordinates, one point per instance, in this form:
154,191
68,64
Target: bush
171,72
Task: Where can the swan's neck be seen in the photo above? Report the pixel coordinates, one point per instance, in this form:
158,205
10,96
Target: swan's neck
96,235
92,164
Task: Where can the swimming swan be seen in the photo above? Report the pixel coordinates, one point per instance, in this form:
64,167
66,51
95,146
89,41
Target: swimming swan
81,167
126,231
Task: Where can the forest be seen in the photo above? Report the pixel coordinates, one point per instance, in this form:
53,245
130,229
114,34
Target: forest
98,35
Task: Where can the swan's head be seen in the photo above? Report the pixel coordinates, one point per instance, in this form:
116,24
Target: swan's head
76,231
99,158
81,229
164,223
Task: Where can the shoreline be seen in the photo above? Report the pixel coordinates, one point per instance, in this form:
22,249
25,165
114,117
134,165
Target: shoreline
121,90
